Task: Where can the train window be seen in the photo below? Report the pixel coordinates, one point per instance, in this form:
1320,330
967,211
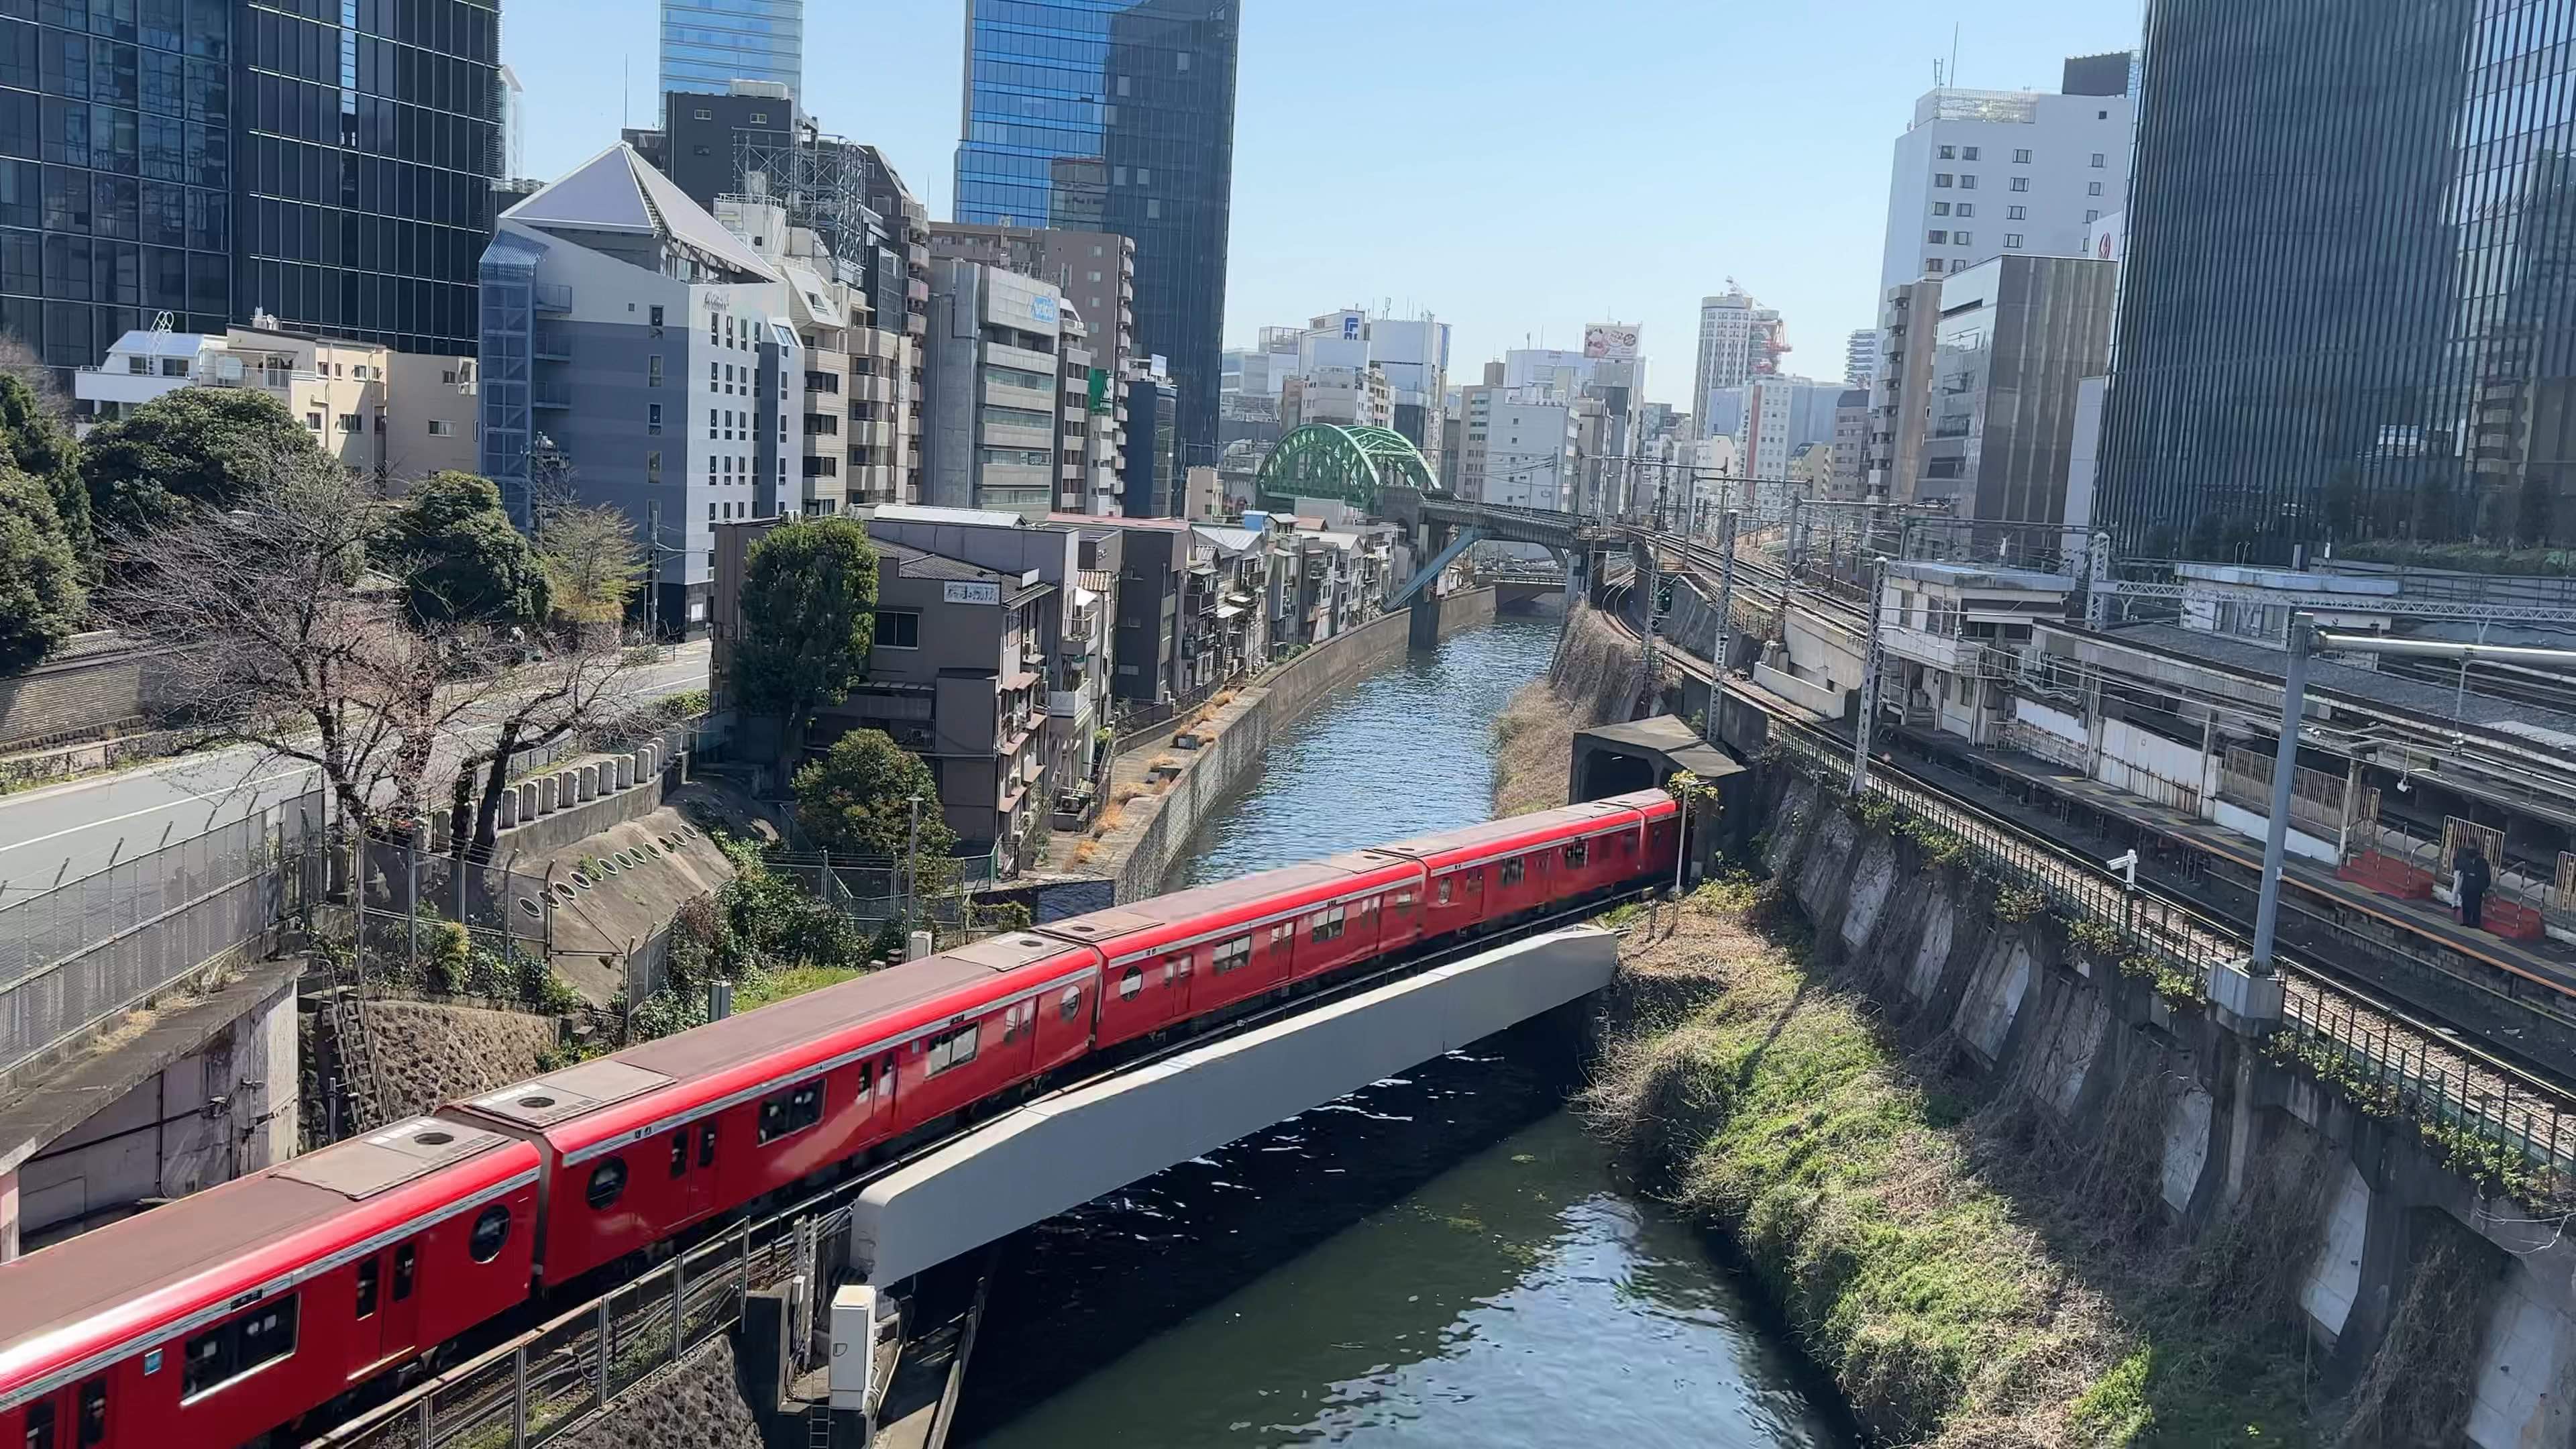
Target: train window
793,1110
707,1130
1513,870
367,1285
1011,1023
1231,955
952,1049
406,1269
680,1152
1404,900
1069,1005
1445,892
220,1355
607,1184
40,1426
93,1413
1131,981
491,1230
1328,925
1577,852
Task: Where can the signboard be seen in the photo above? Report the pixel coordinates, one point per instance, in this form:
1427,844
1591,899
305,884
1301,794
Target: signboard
1100,391
1042,307
954,592
1350,327
1610,341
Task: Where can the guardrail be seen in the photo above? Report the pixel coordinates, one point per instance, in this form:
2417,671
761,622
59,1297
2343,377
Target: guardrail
2413,1065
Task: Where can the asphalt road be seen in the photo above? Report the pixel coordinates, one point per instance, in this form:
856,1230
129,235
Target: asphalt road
66,831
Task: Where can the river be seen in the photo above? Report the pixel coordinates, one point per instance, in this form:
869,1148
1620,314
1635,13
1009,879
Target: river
1444,1258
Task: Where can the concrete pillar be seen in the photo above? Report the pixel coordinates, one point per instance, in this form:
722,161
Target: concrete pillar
527,792
586,780
509,815
626,771
567,789
653,757
546,786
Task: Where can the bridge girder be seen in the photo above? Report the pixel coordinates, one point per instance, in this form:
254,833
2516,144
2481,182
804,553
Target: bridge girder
1352,464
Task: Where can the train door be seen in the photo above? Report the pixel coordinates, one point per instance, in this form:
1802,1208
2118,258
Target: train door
386,1320
693,1168
72,1418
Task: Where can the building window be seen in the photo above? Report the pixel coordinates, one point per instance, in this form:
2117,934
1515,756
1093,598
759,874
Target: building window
653,371
2093,188
1938,238
2021,183
1949,153
1934,264
1940,208
1962,239
2016,213
2012,239
2021,158
313,421
2091,217
1967,182
898,629
654,315
760,118
1153,208
441,428
1944,178
2098,162
711,513
1967,153
653,419
1958,264
703,114
1967,208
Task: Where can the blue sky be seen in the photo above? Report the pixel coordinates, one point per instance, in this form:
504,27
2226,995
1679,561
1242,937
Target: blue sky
1518,167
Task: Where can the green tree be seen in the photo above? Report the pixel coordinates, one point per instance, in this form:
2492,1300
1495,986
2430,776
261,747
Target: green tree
36,438
41,594
209,445
592,564
809,598
857,800
465,562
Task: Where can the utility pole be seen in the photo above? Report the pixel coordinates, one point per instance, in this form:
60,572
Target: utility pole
653,572
2285,767
1870,665
1725,604
912,868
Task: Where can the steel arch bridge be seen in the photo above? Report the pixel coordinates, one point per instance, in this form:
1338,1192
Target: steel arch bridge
1325,460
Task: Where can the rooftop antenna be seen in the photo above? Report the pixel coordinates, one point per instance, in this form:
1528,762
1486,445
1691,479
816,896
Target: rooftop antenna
1954,52
626,91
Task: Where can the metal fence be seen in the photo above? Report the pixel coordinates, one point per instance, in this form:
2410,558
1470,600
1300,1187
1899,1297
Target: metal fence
2414,1067
2316,798
530,1391
92,947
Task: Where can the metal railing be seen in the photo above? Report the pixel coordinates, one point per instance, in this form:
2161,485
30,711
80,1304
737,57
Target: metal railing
92,947
2419,1071
2316,798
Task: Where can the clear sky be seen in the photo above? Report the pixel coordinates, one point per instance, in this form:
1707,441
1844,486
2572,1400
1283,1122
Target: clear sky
1517,167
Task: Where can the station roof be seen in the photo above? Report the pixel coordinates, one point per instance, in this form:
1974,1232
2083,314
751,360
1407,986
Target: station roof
2370,686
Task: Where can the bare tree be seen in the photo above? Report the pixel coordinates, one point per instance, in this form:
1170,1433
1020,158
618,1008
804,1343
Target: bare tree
581,686
287,639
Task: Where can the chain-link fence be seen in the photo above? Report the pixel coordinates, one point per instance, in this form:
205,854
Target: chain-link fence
92,947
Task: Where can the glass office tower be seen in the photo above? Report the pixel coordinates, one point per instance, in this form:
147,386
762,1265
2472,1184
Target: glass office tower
707,45
370,142
2346,307
116,171
1116,115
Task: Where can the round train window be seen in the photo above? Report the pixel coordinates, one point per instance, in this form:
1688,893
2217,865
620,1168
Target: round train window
1132,982
1071,1006
607,1184
491,1230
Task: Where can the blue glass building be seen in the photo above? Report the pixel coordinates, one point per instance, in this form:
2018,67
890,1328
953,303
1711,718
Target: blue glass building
709,44
2348,305
1116,115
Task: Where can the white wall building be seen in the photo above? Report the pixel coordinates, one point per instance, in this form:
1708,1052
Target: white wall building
1980,174
1530,456
1860,357
1739,340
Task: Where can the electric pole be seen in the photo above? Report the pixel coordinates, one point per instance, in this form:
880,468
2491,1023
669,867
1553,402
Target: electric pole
1726,599
1873,660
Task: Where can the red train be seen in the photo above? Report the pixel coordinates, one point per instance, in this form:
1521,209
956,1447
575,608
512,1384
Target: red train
228,1317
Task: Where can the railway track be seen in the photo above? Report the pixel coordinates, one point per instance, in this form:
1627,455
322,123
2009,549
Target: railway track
2386,1046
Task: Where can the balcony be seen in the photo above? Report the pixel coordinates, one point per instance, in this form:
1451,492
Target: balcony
556,397
553,344
552,296
823,382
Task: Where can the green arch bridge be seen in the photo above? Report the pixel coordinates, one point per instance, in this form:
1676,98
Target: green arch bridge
1354,465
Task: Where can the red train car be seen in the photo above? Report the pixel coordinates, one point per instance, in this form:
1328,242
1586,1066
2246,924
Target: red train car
216,1320
1490,874
643,1144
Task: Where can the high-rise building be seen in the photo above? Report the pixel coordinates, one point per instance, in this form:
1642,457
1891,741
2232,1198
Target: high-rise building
1531,449
709,44
1981,174
1095,271
363,185
1910,319
1851,443
1739,340
996,406
1116,115
1781,416
2017,337
1860,357
2301,359
131,215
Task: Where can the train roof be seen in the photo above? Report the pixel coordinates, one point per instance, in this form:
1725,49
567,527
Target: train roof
1230,903
161,1273
627,1094
1495,836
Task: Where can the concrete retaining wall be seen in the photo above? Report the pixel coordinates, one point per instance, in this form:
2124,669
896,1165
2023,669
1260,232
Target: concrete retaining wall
96,681
2072,1031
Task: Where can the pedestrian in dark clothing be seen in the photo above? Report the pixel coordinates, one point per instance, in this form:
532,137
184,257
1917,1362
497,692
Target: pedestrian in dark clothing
2474,878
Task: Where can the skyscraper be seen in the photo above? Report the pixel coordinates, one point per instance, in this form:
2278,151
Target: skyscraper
1739,340
707,45
2300,360
363,190
1116,115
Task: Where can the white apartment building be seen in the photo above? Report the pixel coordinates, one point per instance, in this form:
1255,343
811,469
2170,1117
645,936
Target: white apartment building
1860,357
1981,174
1351,397
1739,340
1782,415
995,432
1530,458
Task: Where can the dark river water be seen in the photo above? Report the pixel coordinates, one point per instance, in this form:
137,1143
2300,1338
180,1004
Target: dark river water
1445,1258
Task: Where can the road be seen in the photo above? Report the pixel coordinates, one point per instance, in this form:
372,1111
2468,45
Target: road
66,831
